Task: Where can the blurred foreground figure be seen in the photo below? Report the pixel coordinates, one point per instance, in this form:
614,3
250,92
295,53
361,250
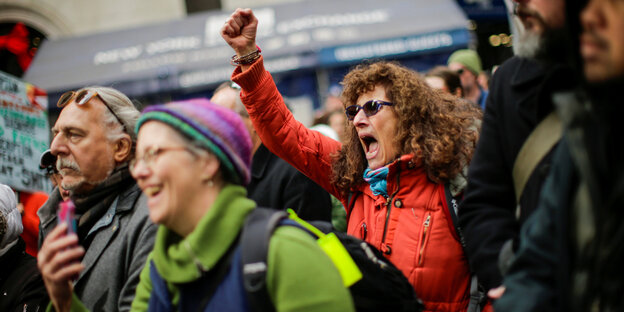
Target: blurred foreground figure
572,248
193,162
494,207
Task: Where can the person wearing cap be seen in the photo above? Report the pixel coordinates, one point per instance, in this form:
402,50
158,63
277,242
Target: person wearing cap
467,64
97,265
193,161
274,182
33,201
48,162
21,287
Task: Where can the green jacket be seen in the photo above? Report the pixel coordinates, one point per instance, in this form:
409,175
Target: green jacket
300,276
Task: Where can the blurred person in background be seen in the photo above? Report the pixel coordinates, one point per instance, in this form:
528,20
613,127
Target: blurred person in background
275,183
467,64
520,99
34,201
96,266
193,162
441,77
404,143
21,286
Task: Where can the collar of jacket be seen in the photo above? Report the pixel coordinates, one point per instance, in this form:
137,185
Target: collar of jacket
528,71
400,167
183,259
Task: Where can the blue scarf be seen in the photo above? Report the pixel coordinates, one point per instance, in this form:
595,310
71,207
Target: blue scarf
377,180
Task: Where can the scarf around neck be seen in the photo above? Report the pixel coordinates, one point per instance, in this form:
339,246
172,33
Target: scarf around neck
377,180
92,206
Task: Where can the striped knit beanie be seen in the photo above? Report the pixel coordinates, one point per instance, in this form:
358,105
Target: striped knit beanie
218,129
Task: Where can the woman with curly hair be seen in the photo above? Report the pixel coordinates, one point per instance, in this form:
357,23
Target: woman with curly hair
404,142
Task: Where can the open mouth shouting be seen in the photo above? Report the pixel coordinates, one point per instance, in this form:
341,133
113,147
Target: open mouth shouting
370,145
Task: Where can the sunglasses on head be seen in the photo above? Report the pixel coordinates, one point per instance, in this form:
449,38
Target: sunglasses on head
82,98
370,108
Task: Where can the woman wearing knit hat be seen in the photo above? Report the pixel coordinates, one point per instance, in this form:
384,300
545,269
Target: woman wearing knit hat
21,286
192,161
404,144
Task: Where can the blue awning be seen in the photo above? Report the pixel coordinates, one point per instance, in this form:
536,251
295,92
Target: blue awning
190,53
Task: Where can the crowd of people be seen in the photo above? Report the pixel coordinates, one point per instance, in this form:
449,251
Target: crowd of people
500,196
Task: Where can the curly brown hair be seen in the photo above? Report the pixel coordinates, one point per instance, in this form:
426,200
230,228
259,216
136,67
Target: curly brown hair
434,126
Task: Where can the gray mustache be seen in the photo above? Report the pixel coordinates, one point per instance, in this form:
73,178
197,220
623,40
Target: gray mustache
62,163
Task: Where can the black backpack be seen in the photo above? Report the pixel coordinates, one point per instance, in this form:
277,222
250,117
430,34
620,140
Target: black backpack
382,287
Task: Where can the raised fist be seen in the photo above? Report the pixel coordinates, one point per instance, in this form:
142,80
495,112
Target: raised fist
239,31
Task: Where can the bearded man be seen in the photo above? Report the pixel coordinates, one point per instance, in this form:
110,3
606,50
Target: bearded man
519,99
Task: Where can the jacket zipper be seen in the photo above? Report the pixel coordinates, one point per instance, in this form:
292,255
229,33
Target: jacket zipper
389,208
424,239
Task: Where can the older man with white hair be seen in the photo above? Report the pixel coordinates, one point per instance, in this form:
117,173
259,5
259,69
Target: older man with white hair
98,263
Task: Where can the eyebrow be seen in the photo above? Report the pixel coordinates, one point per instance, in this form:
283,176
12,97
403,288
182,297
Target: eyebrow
55,130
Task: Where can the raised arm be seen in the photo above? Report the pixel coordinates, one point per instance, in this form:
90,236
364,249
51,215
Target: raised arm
307,150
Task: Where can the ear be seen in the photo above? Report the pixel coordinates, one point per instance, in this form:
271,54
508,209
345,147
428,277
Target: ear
122,149
210,168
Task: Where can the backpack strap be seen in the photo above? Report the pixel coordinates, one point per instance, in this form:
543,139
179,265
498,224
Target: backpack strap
255,236
452,204
536,146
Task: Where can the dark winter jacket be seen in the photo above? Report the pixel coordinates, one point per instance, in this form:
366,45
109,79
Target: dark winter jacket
520,97
276,184
21,286
571,249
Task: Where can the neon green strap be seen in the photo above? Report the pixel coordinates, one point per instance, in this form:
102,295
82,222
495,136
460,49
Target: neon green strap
335,250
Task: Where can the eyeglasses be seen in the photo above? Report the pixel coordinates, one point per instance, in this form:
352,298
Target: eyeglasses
370,108
82,98
151,154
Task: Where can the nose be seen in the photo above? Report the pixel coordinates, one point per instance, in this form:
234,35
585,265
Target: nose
360,119
139,170
591,15
58,146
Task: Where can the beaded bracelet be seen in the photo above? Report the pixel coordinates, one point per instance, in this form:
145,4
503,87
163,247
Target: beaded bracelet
246,59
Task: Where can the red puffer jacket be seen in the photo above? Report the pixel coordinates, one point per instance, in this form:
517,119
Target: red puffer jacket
412,226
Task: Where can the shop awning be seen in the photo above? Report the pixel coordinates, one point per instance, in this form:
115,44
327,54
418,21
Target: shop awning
190,53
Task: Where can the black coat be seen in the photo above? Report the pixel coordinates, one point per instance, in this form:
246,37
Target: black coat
520,97
571,249
21,286
276,184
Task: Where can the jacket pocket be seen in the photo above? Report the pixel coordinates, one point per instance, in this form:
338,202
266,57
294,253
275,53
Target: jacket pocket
426,232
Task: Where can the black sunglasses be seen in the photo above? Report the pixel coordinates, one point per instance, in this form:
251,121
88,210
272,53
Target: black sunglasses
82,98
370,108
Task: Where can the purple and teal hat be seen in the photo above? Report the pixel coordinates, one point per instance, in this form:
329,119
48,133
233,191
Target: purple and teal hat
220,130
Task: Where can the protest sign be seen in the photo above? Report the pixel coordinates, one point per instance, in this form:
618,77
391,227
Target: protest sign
24,134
